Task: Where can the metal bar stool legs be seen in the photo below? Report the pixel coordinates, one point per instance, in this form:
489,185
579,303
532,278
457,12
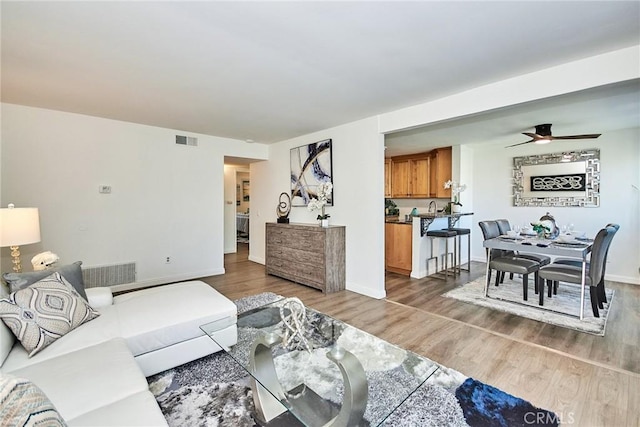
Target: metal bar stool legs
459,233
444,234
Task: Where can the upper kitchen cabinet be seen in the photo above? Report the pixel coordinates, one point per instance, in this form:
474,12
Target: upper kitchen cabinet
440,172
410,176
418,176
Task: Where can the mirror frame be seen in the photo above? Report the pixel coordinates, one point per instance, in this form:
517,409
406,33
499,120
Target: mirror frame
591,199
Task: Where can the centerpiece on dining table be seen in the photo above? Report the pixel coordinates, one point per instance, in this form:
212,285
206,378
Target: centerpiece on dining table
546,227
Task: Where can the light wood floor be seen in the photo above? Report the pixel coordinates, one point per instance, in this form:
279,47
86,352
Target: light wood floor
586,380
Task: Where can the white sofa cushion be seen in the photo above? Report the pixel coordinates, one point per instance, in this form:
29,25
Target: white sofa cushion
140,409
85,380
159,317
99,297
6,336
103,328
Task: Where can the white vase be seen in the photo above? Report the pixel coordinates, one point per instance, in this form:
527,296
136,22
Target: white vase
324,222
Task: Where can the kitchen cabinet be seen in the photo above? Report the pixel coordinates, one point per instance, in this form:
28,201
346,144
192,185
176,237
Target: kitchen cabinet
410,176
398,251
440,172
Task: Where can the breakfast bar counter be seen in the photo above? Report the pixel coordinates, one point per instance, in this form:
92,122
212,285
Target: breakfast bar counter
427,219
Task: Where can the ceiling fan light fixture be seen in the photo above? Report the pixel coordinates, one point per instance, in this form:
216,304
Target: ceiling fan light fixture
542,141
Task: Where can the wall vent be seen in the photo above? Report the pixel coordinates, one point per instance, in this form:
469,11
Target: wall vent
109,275
186,140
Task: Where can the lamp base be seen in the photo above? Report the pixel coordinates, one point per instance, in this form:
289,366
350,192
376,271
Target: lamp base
15,259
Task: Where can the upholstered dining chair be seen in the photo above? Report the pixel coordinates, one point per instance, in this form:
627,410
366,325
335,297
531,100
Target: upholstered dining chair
506,261
572,274
602,297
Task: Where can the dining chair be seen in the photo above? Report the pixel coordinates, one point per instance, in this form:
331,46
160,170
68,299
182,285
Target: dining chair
572,274
506,261
602,297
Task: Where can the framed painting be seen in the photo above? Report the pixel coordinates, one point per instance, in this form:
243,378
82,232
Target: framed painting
311,165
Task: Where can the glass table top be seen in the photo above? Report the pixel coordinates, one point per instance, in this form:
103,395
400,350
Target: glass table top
314,385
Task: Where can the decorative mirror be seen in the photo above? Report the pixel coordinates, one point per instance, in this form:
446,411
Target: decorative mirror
558,179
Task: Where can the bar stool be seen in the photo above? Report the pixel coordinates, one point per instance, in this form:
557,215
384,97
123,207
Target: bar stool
443,234
459,233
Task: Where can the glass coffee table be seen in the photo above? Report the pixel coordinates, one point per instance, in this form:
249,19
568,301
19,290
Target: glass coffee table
337,376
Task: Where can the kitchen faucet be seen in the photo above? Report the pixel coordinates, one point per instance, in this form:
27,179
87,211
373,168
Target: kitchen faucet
433,207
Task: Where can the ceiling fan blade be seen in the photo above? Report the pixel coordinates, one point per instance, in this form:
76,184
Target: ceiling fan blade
522,143
533,136
588,136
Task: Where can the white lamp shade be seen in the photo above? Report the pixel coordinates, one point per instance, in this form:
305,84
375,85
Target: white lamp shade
19,226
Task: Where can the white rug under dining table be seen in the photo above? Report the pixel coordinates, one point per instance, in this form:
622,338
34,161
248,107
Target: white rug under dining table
562,309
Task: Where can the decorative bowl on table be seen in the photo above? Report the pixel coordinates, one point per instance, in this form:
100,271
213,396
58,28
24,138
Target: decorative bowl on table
566,238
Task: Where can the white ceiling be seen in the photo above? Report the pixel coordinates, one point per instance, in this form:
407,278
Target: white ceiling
269,71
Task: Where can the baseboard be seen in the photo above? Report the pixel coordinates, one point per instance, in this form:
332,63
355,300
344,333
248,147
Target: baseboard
257,259
622,279
377,294
166,279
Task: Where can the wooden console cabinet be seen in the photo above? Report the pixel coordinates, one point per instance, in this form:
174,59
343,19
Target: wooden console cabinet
307,254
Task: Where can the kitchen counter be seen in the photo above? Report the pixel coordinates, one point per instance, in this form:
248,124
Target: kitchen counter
408,248
428,218
398,221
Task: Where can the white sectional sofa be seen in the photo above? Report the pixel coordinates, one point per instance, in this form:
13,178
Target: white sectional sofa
95,375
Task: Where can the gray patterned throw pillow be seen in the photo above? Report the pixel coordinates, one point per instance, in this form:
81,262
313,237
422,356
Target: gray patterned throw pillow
45,311
72,273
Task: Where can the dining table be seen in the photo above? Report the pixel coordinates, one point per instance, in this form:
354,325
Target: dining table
577,248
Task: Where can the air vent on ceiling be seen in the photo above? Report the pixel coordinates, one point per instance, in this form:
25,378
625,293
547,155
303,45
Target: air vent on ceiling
186,140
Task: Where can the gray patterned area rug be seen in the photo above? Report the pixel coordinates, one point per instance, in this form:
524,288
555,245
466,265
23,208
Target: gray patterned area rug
215,391
562,309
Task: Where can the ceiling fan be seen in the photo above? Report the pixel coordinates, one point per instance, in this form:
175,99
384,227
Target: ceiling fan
543,136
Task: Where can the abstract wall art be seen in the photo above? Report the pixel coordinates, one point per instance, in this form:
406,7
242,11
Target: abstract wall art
311,165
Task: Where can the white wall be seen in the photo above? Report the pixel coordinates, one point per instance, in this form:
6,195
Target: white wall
230,182
619,200
358,178
166,200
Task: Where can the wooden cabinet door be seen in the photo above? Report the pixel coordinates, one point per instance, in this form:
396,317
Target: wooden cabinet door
440,172
387,177
420,177
400,178
398,250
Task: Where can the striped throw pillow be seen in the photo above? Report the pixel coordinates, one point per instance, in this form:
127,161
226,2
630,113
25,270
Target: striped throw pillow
22,403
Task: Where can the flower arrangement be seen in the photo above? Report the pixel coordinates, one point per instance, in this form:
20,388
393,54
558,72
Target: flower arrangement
540,228
324,192
456,189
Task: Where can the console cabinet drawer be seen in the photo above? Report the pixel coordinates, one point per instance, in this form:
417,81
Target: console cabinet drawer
307,254
312,241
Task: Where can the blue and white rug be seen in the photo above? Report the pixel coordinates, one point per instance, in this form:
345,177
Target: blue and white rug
215,391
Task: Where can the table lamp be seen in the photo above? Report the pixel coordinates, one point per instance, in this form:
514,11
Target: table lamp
18,226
